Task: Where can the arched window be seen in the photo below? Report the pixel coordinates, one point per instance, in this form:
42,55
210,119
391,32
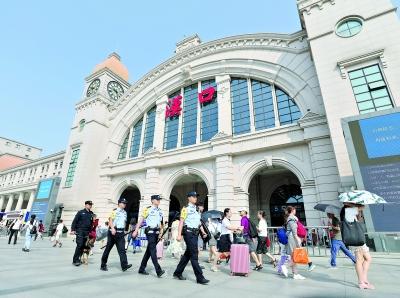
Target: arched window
82,124
256,110
136,135
171,128
189,121
282,197
209,113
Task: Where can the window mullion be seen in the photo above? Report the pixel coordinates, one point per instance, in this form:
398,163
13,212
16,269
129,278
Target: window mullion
129,145
142,134
179,141
275,102
251,107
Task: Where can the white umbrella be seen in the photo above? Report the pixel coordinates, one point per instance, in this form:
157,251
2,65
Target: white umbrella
362,197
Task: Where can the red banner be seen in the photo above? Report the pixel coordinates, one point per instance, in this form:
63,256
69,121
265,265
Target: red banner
173,107
206,95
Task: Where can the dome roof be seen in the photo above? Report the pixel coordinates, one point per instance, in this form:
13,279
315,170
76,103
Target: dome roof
113,63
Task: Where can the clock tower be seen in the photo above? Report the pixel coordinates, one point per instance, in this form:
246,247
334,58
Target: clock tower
89,132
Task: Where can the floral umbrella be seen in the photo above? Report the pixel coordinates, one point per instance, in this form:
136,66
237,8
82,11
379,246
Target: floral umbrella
362,197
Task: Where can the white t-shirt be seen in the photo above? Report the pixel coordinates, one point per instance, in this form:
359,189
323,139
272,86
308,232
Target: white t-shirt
17,224
226,224
59,228
350,214
262,226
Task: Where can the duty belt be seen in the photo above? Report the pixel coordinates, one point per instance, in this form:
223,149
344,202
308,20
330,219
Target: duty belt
149,230
120,229
192,230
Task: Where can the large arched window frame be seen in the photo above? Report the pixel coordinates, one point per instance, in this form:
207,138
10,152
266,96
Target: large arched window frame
258,105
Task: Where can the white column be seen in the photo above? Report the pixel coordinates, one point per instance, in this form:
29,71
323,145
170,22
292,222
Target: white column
160,123
224,104
31,199
1,202
9,202
20,201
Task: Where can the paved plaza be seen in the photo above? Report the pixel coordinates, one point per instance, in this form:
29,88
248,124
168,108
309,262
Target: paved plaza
48,272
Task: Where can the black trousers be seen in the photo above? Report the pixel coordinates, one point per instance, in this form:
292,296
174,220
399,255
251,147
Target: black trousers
80,241
151,251
119,240
191,254
15,234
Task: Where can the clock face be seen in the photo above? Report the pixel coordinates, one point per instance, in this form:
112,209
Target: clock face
93,87
115,90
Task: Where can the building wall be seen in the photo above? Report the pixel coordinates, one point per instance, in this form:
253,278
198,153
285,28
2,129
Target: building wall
378,42
19,149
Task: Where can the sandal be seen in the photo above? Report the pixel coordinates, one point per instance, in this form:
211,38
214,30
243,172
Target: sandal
274,263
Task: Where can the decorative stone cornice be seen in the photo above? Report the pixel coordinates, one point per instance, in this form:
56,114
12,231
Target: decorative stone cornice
311,119
91,101
266,41
378,54
307,5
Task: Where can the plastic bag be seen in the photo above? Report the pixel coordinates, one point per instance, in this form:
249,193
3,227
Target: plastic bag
300,256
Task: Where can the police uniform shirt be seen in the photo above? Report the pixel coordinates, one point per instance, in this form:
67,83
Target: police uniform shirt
118,217
191,216
153,216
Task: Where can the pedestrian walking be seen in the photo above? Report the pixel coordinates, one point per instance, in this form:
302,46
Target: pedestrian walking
189,228
58,233
154,221
293,239
116,222
15,227
175,247
215,229
31,229
80,227
245,223
352,213
131,240
40,230
262,248
336,241
93,234
227,230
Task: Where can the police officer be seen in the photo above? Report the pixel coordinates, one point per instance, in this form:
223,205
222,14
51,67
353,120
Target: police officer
80,227
154,221
189,227
116,223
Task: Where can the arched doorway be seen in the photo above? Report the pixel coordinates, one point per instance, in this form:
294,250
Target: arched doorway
174,209
184,185
272,189
283,196
132,195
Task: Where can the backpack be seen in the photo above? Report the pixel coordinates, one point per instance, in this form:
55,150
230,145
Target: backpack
282,237
301,230
65,229
253,233
34,228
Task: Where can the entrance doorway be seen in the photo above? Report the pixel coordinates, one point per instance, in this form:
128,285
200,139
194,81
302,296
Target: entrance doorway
132,195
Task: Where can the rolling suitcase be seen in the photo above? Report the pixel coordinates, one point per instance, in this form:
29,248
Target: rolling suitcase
160,249
240,259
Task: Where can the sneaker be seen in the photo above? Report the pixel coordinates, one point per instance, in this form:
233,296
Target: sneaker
311,268
333,268
284,271
214,269
298,277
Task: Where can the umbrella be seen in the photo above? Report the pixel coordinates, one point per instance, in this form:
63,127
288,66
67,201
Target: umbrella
362,197
327,208
213,214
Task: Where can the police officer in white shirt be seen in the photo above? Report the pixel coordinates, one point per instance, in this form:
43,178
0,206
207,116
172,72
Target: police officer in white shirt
154,221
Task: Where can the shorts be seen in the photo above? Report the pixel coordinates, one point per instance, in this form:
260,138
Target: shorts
250,243
225,243
262,245
212,241
363,248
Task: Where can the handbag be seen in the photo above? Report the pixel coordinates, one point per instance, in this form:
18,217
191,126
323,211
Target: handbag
239,239
353,233
268,242
300,255
65,230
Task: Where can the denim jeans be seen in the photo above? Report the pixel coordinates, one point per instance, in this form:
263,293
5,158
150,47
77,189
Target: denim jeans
337,245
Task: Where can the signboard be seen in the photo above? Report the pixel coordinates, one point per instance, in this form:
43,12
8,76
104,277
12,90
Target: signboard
374,149
44,189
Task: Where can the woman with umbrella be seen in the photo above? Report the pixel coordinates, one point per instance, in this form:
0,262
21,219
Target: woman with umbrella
354,203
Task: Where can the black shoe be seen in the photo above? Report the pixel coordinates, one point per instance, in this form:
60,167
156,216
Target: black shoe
203,281
144,272
127,267
227,259
202,267
161,273
103,268
180,277
76,264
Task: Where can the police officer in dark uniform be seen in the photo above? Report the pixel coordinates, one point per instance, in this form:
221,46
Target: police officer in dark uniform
154,225
190,228
116,223
80,227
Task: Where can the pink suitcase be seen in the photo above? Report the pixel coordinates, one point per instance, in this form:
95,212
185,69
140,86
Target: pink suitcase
160,249
240,259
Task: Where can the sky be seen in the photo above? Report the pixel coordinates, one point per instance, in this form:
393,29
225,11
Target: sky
48,47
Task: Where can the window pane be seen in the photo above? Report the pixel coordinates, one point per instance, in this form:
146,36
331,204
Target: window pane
372,95
189,123
263,105
240,107
287,108
136,135
124,148
149,130
209,113
72,167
